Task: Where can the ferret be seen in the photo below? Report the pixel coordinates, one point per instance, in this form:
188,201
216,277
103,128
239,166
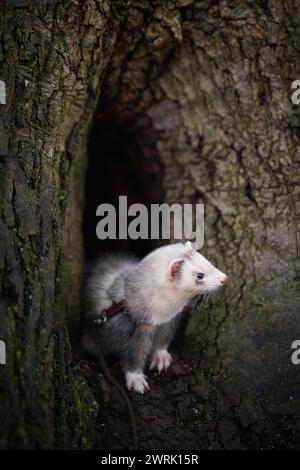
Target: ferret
156,290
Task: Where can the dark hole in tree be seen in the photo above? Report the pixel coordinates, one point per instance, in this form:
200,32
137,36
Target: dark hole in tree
111,173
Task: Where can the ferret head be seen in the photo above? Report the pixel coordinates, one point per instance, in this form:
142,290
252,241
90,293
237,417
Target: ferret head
193,273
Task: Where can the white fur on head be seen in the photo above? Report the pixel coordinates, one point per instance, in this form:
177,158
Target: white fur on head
175,265
166,279
184,272
189,246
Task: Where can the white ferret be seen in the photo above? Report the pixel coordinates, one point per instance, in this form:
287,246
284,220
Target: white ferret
155,291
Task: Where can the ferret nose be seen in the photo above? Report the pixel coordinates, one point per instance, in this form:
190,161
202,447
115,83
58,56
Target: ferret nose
224,280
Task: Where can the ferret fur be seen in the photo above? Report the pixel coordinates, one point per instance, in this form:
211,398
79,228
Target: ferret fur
156,290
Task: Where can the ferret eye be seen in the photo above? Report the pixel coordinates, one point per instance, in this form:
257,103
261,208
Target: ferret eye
200,276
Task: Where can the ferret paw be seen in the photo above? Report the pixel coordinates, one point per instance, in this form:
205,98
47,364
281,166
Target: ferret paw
136,381
161,360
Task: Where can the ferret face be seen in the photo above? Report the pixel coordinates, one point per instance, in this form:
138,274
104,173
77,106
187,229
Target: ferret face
194,274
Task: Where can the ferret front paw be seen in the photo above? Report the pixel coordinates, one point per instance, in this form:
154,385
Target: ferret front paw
136,381
161,360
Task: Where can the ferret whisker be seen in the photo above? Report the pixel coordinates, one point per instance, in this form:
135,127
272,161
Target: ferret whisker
196,301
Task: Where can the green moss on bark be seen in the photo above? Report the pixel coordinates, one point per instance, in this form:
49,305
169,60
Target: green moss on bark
53,58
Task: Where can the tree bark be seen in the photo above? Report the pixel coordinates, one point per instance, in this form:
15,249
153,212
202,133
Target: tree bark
200,93
55,57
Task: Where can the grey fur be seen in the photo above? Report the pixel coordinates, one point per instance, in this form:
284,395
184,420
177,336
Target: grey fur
165,333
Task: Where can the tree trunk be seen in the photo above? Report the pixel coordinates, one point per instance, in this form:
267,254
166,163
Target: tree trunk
55,57
199,94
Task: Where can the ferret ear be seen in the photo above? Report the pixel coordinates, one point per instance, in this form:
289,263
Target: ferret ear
175,268
189,246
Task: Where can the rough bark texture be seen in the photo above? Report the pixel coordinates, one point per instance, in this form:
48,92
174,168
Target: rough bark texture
61,49
200,93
